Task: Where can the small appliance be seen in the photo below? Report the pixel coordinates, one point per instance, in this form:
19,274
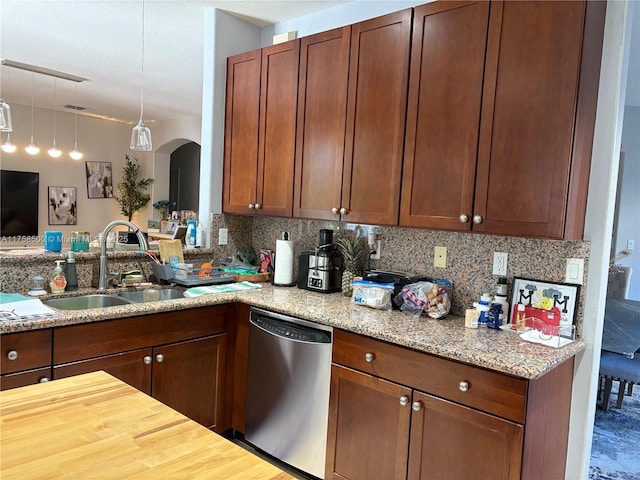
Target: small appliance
320,270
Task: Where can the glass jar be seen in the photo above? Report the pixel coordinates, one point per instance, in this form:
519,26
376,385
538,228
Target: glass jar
80,241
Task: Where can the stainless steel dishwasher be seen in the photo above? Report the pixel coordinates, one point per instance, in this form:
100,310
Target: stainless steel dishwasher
288,389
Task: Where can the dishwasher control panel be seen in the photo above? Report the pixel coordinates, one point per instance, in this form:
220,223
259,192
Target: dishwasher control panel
290,330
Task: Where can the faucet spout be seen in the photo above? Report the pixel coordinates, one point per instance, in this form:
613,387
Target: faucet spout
105,275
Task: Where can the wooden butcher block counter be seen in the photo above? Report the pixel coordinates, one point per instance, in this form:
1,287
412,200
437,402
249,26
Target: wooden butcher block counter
95,426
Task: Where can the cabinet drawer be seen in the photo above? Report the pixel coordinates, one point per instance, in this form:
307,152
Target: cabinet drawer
81,342
30,377
28,350
489,391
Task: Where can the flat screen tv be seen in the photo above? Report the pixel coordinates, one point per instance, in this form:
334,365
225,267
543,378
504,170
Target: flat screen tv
19,203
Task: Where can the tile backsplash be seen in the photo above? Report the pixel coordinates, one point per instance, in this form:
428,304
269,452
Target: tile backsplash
411,250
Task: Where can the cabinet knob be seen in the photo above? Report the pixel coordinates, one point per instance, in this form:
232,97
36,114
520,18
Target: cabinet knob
477,219
335,211
12,355
343,211
251,206
159,358
258,206
416,406
463,386
464,218
147,360
43,380
368,357
404,400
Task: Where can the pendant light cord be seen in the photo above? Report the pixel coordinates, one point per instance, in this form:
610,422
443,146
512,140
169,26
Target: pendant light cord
54,108
76,118
142,69
32,84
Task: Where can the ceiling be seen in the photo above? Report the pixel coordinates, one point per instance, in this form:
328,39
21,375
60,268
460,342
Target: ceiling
101,40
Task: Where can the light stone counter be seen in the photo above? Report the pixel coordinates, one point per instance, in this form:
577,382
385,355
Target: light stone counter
493,349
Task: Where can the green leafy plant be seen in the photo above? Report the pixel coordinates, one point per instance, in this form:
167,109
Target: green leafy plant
131,196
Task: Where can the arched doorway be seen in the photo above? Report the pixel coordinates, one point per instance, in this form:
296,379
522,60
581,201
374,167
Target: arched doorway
184,177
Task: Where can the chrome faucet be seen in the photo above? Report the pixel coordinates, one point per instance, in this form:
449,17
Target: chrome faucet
105,275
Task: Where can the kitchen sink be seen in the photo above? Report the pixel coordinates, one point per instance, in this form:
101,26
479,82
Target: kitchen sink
152,295
84,302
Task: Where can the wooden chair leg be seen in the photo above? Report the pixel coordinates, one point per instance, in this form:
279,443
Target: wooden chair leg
607,393
621,389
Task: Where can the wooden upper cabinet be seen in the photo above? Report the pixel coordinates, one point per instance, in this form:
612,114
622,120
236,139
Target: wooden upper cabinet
443,117
260,130
322,111
376,114
242,115
277,137
537,118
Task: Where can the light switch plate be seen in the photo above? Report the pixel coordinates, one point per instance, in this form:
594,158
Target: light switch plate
440,257
223,236
575,271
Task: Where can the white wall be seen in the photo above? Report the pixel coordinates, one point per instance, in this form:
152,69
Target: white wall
598,229
627,225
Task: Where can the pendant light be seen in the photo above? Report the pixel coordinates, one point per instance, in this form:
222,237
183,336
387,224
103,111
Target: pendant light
8,146
54,151
76,154
141,135
32,148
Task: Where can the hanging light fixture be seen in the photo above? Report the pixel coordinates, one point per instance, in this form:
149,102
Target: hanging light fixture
32,148
8,146
141,135
54,151
76,154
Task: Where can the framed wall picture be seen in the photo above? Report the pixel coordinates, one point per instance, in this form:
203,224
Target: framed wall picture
552,303
99,180
63,206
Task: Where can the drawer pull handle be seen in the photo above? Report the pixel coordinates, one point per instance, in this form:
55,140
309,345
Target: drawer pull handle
251,206
463,386
43,380
416,406
464,218
343,211
258,206
147,360
335,211
159,358
368,357
404,400
12,355
477,219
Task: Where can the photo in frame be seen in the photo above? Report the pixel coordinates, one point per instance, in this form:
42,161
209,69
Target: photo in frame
553,303
99,180
63,206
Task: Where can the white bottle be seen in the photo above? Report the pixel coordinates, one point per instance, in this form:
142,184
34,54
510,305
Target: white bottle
200,235
191,235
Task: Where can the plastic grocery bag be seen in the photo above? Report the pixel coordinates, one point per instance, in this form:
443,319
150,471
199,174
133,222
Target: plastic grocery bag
372,294
424,297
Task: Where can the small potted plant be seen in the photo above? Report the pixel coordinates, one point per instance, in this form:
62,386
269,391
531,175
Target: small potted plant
164,207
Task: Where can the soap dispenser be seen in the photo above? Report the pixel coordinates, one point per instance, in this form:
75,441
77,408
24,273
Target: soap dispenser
70,273
58,282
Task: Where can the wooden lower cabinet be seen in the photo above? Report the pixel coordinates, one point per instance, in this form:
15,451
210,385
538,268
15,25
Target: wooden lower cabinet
26,358
456,442
395,413
178,358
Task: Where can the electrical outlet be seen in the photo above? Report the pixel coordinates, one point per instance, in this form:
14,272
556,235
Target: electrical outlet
223,236
500,263
440,257
631,244
575,271
376,256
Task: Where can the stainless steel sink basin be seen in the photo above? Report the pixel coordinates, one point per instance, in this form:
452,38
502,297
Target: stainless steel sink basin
152,295
86,301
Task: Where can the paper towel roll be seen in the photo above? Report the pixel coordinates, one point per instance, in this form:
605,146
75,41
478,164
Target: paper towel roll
283,274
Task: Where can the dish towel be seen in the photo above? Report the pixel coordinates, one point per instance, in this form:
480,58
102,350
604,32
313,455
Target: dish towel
225,288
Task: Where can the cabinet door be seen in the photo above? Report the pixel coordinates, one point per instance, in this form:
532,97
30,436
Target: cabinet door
133,368
241,132
322,111
528,117
277,137
188,376
368,427
30,377
25,350
455,442
443,117
376,113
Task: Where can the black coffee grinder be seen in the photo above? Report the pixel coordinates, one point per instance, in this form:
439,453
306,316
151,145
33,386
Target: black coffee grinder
320,270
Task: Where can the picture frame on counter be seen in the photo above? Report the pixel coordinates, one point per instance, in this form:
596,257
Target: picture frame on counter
62,206
551,302
99,180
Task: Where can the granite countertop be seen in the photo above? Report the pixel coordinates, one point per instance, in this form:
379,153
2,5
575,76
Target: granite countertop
497,350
